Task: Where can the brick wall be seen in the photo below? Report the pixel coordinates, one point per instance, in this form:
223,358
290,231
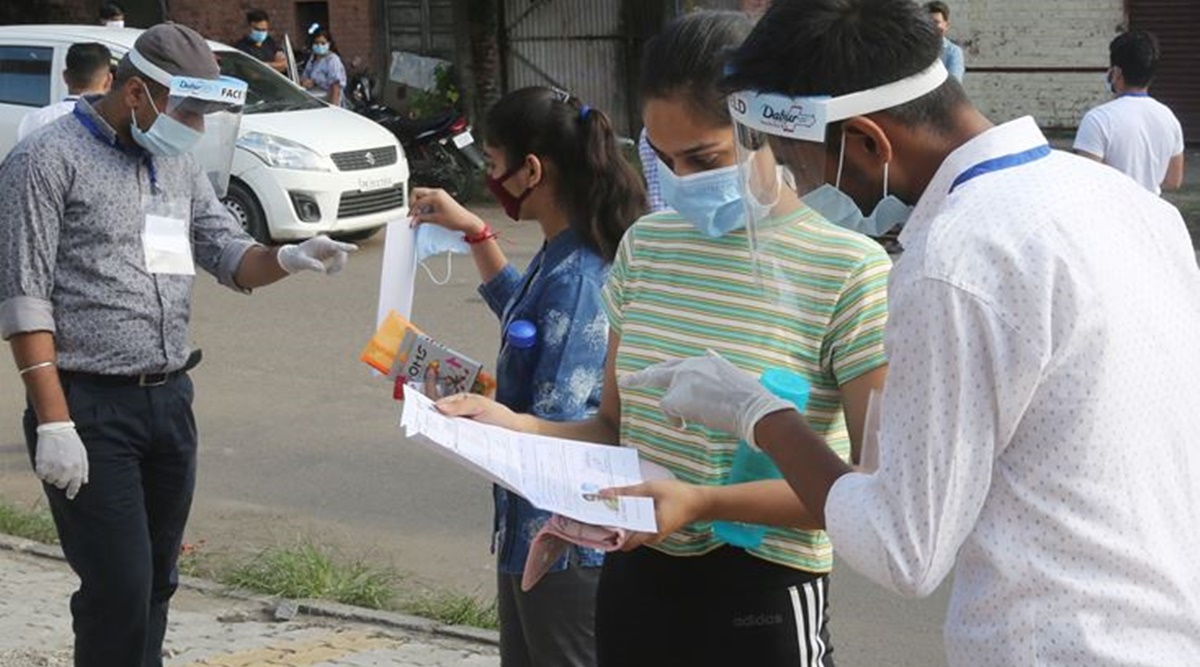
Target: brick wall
354,23
1033,35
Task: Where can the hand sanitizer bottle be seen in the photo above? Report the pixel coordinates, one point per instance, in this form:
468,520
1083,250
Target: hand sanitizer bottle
751,466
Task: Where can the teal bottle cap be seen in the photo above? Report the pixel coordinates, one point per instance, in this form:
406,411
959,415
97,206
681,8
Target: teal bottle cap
521,334
788,385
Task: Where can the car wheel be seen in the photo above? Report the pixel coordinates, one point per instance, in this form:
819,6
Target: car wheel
245,209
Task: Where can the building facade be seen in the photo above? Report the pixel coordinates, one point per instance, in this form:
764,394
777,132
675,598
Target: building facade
1045,58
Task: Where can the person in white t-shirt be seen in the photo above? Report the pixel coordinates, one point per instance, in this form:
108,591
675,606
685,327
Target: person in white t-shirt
88,72
1134,133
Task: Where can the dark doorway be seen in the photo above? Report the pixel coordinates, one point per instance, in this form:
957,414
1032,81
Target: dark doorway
1176,84
308,13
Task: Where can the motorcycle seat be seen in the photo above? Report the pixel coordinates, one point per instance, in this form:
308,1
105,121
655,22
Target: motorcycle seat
419,126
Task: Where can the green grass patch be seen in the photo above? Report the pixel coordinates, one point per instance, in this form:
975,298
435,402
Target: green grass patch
309,571
32,524
454,609
302,571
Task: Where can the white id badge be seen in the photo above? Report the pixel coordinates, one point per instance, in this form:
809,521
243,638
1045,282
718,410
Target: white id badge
166,237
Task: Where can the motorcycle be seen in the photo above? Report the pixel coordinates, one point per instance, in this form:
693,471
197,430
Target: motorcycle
441,149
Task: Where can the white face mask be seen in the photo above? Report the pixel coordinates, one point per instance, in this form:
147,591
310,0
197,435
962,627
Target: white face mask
114,24
433,240
839,208
166,137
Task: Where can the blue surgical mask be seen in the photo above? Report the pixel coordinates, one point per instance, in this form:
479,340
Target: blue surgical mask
259,36
320,49
839,208
434,240
166,137
710,200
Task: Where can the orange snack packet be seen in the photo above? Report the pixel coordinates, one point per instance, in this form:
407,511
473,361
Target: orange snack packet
380,351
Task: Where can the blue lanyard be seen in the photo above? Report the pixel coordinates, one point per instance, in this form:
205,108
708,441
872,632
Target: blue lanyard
91,126
1001,163
1135,95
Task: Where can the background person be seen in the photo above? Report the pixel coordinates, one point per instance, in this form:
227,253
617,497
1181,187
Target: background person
106,214
111,15
558,162
88,72
952,54
324,74
259,43
1041,343
682,282
650,173
1134,133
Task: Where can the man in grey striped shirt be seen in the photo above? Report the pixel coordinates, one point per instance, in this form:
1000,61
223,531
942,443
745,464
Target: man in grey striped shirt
105,214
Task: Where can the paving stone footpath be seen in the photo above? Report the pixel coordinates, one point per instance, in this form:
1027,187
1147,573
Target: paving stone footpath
211,627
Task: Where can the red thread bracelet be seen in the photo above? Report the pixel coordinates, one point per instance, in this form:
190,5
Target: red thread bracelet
485,234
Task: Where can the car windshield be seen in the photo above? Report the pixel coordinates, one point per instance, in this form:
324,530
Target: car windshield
269,90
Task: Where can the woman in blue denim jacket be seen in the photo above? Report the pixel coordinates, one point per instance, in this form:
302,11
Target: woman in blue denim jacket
558,162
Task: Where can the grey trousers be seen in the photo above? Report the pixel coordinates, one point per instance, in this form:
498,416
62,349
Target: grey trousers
553,625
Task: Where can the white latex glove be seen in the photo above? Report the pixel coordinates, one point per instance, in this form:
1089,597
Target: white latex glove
320,253
61,457
711,391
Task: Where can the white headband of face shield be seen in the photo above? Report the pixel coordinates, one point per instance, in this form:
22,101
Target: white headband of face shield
225,90
805,118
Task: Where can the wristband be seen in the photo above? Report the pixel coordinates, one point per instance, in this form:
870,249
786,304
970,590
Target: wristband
485,234
34,367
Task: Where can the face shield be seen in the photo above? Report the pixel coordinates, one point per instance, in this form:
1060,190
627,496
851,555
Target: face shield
201,116
783,160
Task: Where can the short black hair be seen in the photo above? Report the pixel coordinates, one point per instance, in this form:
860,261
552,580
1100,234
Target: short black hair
688,59
836,47
110,11
1136,53
256,16
938,7
86,63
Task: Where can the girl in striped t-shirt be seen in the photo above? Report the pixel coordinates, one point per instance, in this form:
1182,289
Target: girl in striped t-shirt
682,283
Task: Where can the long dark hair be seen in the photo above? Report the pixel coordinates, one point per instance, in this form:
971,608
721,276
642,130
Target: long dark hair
598,188
687,60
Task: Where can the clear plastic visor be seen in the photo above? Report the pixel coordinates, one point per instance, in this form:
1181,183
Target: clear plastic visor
774,174
210,107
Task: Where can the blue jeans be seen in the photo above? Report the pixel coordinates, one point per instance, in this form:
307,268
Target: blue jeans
123,532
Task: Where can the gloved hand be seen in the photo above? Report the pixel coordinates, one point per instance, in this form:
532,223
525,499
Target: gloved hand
711,391
61,457
320,253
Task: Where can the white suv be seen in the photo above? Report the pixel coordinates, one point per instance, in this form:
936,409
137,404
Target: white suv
301,167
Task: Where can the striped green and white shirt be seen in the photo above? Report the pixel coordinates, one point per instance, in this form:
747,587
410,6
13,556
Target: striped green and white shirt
673,292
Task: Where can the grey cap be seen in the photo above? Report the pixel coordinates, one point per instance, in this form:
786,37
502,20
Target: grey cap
174,50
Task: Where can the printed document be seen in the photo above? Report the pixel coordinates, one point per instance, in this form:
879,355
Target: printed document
556,475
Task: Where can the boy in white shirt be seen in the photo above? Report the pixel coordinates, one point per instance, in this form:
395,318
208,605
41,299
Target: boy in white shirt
1134,133
88,72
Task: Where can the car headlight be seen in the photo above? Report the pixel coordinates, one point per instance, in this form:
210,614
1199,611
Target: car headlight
283,153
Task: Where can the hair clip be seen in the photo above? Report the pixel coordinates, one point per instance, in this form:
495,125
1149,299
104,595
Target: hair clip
584,111
560,94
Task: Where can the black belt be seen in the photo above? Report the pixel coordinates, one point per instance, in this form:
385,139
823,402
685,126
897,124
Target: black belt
143,380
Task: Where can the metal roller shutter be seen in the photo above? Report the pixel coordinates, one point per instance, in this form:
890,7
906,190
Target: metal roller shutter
1177,85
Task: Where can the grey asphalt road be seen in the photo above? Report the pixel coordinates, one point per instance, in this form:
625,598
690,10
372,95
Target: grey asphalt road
299,442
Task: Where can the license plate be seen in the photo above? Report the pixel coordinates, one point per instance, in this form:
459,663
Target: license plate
463,140
380,183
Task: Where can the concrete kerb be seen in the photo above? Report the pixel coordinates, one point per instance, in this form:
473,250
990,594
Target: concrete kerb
322,608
